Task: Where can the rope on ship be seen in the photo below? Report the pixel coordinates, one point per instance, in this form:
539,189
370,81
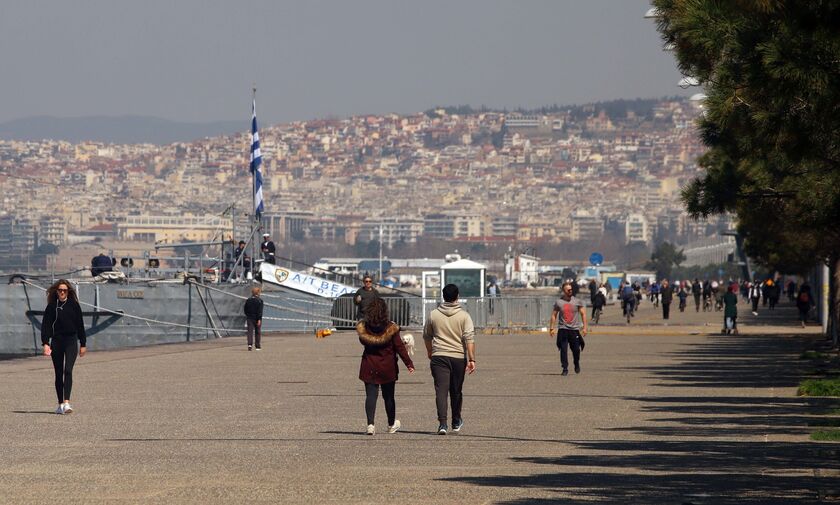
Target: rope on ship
316,319
213,328
140,318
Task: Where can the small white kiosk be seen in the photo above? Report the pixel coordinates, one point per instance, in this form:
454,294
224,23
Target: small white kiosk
468,275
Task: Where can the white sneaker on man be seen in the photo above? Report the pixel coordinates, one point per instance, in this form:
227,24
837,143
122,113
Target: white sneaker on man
395,427
371,429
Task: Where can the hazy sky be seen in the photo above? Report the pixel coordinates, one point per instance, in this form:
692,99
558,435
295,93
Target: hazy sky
195,60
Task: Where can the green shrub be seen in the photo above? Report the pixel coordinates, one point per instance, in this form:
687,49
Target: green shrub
813,355
826,435
819,387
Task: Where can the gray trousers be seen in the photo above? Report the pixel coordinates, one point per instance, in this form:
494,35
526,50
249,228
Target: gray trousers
448,374
253,333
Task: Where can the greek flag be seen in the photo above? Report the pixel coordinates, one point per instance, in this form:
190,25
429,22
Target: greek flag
256,161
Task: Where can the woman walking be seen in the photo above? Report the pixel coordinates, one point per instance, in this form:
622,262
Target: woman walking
382,341
63,337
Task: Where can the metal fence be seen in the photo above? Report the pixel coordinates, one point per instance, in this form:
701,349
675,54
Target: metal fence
515,312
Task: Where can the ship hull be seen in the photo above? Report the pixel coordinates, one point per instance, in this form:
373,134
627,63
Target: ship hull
118,315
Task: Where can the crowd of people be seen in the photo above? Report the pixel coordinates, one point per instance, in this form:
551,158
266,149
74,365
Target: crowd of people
708,296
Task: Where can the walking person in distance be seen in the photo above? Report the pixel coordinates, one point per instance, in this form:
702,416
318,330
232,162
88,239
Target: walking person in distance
379,368
667,296
63,337
253,315
364,296
730,310
449,336
755,296
571,327
804,302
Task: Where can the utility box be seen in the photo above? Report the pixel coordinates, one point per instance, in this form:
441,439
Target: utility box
468,275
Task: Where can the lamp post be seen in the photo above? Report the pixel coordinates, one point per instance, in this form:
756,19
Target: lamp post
380,253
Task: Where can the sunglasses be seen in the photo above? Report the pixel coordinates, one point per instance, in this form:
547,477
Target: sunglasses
62,290
368,281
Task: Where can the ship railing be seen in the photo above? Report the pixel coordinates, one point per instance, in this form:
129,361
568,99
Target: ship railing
508,312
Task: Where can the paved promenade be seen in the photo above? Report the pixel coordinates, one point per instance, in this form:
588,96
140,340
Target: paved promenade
660,414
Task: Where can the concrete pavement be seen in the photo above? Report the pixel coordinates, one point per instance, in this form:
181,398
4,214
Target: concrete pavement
659,414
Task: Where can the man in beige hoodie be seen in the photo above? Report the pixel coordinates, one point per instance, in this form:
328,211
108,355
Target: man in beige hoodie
449,337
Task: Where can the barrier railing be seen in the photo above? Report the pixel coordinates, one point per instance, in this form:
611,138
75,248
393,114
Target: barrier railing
515,312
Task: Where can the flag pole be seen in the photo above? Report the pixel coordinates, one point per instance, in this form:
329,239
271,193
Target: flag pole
255,223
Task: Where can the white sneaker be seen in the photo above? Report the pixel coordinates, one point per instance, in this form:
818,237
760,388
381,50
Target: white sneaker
67,408
395,428
371,429
60,410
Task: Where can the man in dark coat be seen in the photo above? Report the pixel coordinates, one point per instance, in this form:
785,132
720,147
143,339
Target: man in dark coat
667,295
253,315
364,296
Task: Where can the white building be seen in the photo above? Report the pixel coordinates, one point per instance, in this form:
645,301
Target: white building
636,229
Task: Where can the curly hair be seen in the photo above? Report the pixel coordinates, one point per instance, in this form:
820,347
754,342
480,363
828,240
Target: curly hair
52,291
376,315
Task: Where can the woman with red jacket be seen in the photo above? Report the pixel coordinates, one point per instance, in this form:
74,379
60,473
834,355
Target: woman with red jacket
382,341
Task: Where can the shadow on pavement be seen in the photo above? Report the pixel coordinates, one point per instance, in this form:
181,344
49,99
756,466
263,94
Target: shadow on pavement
661,469
729,361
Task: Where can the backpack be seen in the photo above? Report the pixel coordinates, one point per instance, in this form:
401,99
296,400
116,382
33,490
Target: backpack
628,293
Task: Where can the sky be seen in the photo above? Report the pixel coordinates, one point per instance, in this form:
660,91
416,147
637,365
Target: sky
196,60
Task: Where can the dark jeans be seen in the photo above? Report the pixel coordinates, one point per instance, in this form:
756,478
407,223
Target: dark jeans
566,339
755,304
372,393
254,333
64,352
666,310
803,313
448,374
697,303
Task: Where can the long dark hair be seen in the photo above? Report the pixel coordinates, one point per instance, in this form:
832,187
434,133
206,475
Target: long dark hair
376,315
52,291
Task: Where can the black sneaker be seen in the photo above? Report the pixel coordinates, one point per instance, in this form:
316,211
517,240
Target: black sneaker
565,372
577,368
441,429
457,425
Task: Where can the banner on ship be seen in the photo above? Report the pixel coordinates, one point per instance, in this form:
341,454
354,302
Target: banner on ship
306,283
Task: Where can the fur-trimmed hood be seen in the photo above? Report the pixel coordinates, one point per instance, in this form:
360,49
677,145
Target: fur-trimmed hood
373,339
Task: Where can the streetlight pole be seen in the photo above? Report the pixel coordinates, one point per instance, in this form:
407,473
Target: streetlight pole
380,253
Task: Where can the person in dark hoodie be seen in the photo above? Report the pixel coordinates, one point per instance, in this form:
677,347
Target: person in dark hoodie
63,337
253,316
449,336
379,369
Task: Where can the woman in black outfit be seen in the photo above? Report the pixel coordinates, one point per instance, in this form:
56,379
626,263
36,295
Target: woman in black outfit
63,337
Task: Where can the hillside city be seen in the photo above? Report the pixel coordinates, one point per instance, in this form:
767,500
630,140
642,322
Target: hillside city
469,176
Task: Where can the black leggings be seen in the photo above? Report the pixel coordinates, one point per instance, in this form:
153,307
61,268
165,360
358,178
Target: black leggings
372,392
64,352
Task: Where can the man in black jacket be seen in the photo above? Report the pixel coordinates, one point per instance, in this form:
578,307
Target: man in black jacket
254,313
364,296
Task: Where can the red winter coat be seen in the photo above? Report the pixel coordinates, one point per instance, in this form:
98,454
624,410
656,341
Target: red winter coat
379,360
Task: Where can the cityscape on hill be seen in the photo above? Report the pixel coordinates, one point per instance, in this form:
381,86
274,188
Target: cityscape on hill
559,181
